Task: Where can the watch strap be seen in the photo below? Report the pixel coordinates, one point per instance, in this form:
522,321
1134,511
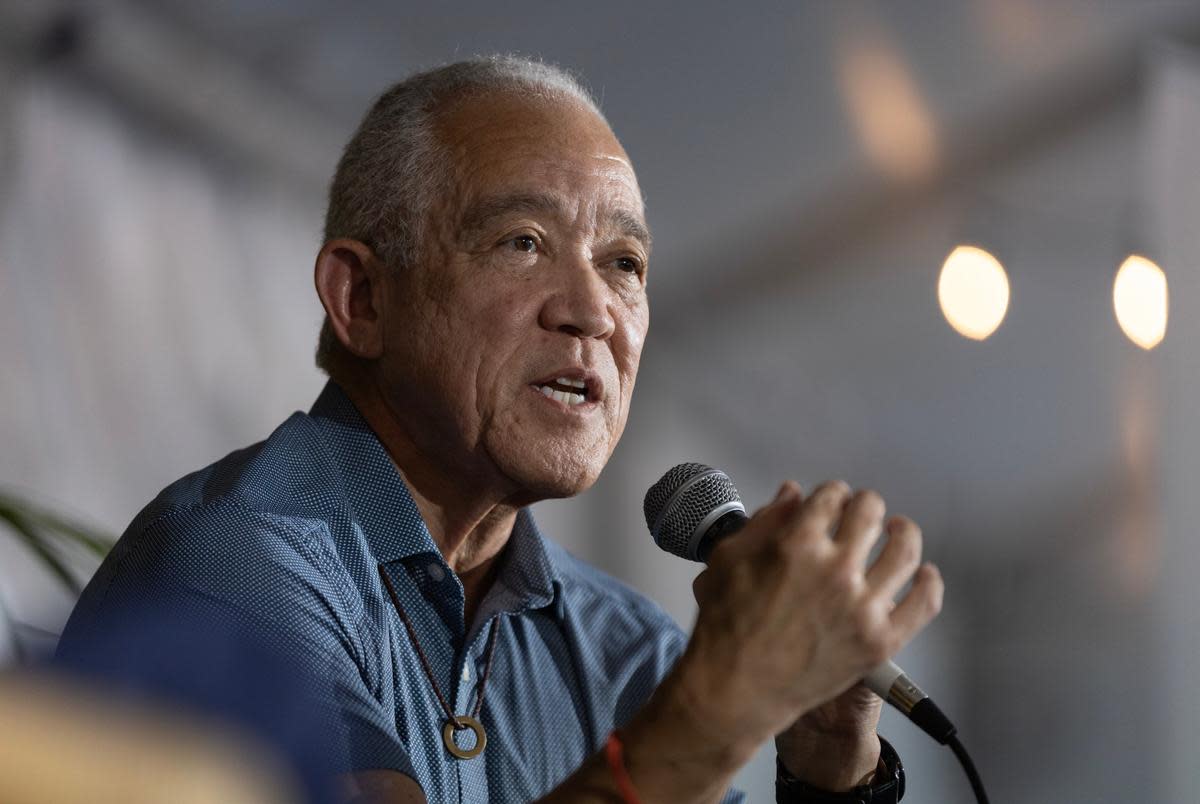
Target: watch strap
886,788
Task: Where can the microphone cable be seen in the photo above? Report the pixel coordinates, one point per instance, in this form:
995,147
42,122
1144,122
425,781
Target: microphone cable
968,767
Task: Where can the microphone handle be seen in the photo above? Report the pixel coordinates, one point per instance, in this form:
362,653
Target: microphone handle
893,685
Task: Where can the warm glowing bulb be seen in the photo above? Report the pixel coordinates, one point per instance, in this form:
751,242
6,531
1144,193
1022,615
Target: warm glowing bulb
892,118
973,292
1140,300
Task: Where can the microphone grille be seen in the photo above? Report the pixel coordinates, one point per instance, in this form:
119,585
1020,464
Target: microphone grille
682,499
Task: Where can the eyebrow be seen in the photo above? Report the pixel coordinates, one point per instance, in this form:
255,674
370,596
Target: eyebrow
483,211
632,226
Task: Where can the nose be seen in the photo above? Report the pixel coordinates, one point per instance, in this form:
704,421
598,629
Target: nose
580,302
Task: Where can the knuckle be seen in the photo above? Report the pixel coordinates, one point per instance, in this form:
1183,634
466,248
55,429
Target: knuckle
870,503
863,625
789,494
907,546
902,524
934,606
843,579
934,599
792,488
833,491
790,550
872,629
877,647
809,530
889,646
867,626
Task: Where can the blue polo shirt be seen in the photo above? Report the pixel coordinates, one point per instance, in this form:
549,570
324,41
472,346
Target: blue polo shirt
288,534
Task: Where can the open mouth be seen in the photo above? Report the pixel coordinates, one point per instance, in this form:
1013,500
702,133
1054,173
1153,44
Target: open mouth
567,390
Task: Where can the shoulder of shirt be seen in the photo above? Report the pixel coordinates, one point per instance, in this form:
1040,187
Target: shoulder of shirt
277,489
591,586
281,479
266,505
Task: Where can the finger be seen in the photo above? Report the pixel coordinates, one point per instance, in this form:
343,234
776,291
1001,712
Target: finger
899,559
860,526
824,507
789,493
778,512
783,507
920,605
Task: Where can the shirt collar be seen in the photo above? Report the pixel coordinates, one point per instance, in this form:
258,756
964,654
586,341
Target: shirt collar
527,569
384,509
373,486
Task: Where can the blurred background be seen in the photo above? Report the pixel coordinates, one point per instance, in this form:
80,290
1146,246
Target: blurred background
809,168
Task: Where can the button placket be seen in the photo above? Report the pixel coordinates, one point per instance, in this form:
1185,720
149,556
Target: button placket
473,772
467,677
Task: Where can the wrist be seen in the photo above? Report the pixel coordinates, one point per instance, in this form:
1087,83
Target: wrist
674,749
830,761
886,785
698,694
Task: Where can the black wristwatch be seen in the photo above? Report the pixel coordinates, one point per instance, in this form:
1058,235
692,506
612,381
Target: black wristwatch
886,788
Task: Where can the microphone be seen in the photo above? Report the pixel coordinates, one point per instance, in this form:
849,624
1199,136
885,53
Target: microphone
693,506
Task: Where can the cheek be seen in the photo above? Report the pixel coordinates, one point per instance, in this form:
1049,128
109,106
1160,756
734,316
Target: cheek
628,339
627,343
499,332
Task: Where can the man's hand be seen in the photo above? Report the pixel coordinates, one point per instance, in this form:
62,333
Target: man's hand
791,617
835,746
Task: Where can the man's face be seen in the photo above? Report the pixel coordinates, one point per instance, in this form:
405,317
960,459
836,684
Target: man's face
512,349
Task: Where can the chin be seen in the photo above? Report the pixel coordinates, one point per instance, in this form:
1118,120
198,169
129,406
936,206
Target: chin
554,473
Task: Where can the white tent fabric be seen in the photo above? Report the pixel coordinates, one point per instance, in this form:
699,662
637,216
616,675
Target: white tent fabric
156,312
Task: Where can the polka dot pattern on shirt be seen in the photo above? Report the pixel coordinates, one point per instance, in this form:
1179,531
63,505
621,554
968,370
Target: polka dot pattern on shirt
290,533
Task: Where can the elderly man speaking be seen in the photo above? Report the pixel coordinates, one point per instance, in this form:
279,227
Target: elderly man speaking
484,279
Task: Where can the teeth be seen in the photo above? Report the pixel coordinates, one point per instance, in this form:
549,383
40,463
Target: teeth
565,397
571,383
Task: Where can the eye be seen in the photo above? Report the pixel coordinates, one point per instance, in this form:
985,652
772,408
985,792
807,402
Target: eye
630,265
524,243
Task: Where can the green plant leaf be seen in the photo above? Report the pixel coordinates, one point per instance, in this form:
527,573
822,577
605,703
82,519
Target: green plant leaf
46,533
90,539
38,545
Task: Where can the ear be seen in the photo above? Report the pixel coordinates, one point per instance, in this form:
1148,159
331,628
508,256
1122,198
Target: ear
349,279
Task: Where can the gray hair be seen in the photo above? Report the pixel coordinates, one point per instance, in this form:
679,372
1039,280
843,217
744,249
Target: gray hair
388,177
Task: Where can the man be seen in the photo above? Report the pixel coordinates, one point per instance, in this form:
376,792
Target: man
484,279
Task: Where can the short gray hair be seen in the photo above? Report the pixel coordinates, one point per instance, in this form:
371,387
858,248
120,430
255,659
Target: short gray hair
388,177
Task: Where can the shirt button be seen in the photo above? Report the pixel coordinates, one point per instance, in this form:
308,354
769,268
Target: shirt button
436,572
466,676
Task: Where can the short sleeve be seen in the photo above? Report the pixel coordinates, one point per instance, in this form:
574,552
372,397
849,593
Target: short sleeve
254,589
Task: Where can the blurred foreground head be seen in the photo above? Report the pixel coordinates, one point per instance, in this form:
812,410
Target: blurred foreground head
175,702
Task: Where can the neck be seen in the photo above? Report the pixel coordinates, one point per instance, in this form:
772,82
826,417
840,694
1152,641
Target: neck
469,525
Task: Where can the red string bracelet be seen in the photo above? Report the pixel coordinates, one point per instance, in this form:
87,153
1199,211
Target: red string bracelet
614,751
